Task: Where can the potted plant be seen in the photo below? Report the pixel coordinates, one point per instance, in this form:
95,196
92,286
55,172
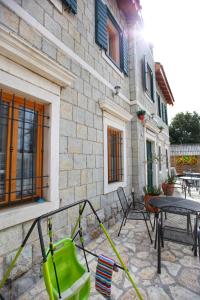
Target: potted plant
160,128
151,192
141,113
168,186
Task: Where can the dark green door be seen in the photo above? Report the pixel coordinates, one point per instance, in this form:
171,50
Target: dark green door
149,164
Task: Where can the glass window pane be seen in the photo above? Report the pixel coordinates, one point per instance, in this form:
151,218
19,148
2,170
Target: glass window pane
26,154
3,146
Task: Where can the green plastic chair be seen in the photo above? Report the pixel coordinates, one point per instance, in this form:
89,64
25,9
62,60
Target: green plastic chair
73,279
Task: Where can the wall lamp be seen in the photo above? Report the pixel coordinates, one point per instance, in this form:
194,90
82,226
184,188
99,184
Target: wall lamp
117,88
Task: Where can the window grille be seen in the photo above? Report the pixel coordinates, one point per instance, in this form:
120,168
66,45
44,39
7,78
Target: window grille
115,162
22,129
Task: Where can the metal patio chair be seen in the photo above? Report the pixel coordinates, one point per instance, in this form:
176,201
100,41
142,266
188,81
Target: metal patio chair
132,212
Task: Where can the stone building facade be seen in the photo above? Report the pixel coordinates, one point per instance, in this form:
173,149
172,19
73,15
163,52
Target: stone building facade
53,65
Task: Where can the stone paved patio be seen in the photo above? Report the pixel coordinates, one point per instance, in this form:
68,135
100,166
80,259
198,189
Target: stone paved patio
180,278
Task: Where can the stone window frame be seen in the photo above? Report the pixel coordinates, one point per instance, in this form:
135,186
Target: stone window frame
111,121
29,73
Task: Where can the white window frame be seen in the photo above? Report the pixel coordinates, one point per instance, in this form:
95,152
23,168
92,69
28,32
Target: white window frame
43,86
111,121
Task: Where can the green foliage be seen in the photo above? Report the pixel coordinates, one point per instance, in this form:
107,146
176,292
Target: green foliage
141,112
185,128
152,190
170,179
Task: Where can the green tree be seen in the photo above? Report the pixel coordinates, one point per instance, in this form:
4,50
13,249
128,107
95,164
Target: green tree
185,128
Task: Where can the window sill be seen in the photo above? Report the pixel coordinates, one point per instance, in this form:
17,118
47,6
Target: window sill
109,61
149,98
23,213
111,187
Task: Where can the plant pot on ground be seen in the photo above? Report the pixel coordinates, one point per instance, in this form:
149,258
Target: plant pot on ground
168,186
151,192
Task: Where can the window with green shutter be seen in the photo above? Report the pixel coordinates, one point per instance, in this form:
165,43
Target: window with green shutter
148,79
71,5
159,105
110,37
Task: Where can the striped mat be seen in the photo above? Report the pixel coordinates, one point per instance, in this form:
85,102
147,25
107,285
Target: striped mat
103,278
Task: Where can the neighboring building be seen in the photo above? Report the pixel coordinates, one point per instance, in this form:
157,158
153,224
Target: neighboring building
67,131
185,158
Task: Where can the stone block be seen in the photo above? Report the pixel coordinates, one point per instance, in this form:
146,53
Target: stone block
63,59
79,115
74,178
85,75
67,39
70,95
80,192
46,5
75,145
92,134
75,68
99,188
78,85
98,174
8,18
30,35
60,19
63,180
97,148
89,119
90,161
79,161
98,122
99,161
49,48
10,239
99,136
91,190
63,145
82,101
87,89
66,162
87,147
67,196
81,131
23,264
86,176
34,10
65,110
52,26
91,105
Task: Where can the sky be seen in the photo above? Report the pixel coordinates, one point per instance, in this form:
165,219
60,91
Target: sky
173,26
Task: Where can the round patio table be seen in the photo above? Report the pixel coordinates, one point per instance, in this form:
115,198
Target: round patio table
175,205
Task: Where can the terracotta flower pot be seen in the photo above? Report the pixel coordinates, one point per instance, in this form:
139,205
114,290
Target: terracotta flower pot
168,188
141,117
148,206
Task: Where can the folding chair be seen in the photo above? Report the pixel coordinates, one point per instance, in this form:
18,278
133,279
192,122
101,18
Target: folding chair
130,212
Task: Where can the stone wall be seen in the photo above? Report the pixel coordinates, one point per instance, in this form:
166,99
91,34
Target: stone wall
81,130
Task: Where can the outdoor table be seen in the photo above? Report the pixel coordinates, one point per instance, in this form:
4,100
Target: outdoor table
175,205
195,182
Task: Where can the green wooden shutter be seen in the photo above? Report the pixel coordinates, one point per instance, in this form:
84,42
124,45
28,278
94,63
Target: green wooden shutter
152,87
159,107
163,111
144,73
72,5
166,116
101,23
124,54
